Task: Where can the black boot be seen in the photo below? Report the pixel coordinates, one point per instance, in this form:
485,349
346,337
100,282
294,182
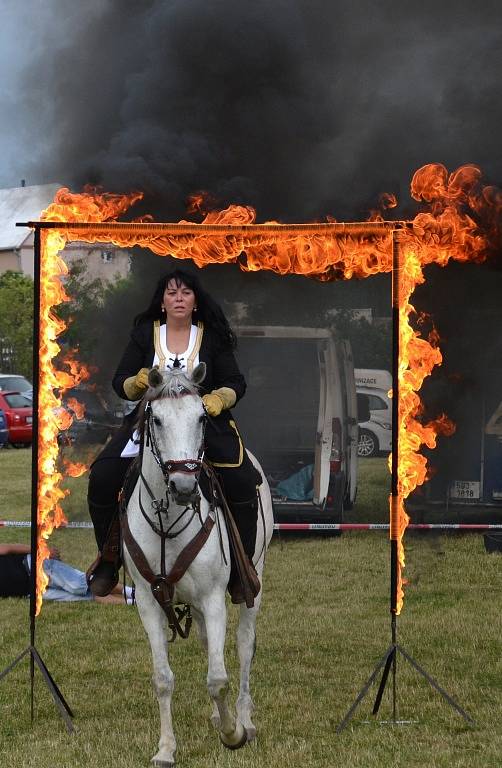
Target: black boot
245,514
102,516
103,574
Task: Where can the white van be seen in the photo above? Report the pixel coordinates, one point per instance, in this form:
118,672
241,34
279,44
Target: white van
299,417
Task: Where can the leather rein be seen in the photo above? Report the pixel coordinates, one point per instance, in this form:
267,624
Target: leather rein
162,584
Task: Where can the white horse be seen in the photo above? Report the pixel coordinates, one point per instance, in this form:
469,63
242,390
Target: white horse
166,497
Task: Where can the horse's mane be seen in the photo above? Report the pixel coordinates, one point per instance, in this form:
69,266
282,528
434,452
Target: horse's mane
175,383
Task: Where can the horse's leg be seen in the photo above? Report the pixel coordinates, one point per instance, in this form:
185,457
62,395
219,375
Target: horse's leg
232,733
201,631
246,647
154,622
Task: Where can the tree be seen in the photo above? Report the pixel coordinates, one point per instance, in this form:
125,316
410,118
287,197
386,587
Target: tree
16,323
371,342
97,318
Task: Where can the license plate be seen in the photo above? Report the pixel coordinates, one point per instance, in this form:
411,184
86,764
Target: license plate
29,419
464,489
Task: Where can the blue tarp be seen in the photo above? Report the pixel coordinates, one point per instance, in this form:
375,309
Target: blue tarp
298,487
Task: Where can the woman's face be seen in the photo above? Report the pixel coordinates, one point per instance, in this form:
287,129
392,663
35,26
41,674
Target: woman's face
178,301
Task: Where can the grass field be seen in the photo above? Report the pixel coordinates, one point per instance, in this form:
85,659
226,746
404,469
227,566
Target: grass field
323,626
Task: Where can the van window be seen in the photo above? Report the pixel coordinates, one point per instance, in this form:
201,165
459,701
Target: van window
376,403
280,408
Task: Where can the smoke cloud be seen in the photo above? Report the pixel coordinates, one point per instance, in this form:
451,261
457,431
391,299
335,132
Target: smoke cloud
300,108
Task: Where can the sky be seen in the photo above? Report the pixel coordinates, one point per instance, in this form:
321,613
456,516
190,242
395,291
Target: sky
302,108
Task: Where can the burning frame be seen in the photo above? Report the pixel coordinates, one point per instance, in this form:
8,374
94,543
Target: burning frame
328,251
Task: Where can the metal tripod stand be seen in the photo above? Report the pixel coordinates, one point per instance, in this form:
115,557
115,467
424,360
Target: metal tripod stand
389,660
31,650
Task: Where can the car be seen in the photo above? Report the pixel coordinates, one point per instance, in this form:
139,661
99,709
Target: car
19,414
379,402
4,432
375,436
13,382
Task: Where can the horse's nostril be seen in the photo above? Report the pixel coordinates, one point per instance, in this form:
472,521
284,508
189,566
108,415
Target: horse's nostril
172,486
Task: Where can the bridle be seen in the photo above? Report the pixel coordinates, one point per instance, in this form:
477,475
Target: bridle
162,584
186,466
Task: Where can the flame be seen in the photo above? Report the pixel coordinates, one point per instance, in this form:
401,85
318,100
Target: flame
460,220
74,468
90,206
462,223
201,202
77,408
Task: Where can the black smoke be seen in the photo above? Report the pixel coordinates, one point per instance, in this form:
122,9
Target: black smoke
301,108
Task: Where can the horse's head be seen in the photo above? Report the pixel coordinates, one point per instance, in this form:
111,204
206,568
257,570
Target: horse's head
174,424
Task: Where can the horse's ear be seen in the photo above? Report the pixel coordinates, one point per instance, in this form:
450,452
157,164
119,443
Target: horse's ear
155,377
199,373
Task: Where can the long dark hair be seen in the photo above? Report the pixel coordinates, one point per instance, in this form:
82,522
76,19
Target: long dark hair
208,310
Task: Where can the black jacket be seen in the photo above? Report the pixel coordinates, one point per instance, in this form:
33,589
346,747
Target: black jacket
221,365
223,441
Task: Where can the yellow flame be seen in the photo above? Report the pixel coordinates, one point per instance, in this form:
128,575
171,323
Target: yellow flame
327,252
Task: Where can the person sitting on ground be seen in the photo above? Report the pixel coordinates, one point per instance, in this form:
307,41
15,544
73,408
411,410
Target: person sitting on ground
65,582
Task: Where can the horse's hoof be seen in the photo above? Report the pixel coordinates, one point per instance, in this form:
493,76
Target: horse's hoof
162,764
238,740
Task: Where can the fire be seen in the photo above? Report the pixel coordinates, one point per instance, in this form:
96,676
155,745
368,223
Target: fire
462,223
77,408
52,382
460,220
74,468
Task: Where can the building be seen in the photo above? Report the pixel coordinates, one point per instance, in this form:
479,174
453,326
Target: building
21,204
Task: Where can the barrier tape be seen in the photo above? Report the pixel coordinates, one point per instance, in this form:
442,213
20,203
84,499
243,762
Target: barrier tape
319,526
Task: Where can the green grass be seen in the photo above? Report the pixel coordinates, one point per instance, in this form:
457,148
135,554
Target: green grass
323,626
373,490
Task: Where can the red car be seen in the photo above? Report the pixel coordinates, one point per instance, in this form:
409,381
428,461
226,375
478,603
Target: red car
19,414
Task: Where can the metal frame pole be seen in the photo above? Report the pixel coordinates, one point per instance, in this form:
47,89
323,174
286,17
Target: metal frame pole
31,650
34,456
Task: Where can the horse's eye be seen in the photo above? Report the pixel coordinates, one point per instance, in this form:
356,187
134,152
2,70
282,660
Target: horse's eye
157,421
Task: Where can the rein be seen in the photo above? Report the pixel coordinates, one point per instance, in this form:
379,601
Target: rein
162,584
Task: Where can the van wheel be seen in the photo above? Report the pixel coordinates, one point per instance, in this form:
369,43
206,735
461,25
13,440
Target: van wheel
368,445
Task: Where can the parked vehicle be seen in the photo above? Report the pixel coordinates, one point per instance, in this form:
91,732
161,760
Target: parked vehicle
19,414
375,437
299,417
373,378
4,432
14,382
375,434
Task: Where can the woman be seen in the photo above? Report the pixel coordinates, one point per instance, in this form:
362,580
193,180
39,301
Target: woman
181,327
